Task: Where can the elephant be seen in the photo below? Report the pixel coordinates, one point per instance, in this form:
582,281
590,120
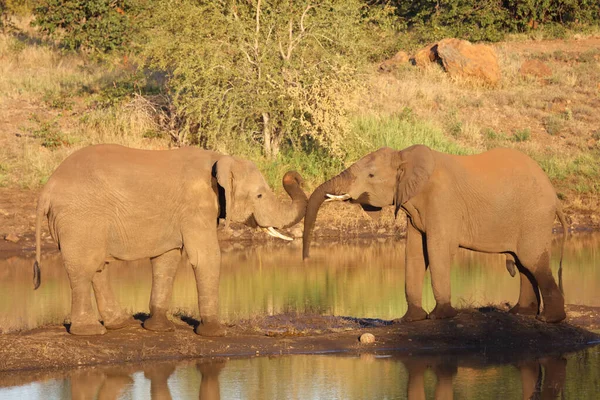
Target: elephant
109,202
499,201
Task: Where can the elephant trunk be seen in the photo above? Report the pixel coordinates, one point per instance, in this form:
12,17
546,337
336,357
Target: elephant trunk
336,185
292,215
281,214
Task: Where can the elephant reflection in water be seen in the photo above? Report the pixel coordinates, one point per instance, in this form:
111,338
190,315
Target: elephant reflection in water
547,385
101,385
444,371
540,379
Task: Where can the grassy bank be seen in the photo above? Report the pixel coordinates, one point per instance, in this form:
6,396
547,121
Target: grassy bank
52,103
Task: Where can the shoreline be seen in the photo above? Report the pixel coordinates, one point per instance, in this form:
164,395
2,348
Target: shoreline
486,329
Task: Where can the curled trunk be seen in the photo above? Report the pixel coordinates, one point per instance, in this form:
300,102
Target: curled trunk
282,214
336,185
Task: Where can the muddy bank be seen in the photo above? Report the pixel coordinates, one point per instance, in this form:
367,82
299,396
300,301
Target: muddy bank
490,330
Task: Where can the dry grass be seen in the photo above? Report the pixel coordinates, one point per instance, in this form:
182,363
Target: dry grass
552,119
46,110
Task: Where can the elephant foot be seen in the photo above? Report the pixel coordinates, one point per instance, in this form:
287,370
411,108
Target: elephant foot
120,322
552,317
443,311
210,329
413,314
87,329
531,309
159,324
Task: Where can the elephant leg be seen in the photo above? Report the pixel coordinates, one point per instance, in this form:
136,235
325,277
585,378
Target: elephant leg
114,385
159,377
111,312
415,266
440,257
415,386
529,301
531,377
209,384
85,385
555,373
554,303
164,268
205,256
443,387
84,320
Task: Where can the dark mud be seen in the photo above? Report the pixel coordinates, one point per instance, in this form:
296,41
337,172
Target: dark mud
493,331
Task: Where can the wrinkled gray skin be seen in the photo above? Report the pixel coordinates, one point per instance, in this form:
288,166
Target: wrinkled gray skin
109,202
499,201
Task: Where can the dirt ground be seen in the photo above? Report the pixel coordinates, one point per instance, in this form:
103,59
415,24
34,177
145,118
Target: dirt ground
489,330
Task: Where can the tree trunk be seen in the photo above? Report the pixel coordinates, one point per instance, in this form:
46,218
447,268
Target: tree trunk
271,138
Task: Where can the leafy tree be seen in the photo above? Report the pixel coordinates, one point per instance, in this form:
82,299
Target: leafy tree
95,26
270,73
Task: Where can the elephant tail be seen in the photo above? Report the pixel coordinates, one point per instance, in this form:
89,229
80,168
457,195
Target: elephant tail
563,222
42,211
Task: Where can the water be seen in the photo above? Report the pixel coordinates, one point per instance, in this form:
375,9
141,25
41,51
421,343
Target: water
359,279
383,376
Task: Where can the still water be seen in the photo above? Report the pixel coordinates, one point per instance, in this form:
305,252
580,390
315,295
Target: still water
359,279
383,376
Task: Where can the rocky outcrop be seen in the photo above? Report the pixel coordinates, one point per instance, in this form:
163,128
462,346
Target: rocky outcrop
460,58
393,63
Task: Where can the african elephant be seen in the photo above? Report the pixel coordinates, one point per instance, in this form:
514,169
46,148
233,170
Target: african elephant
499,201
109,202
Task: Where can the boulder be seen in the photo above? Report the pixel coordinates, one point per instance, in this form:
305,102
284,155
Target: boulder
393,63
535,68
462,58
425,56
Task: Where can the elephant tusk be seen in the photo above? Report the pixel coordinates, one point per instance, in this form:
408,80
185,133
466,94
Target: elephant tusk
341,197
271,231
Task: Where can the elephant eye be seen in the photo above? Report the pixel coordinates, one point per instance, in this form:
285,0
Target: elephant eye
371,175
259,196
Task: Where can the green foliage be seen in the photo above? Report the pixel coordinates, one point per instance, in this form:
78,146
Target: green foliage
50,134
522,135
433,19
268,74
491,19
95,26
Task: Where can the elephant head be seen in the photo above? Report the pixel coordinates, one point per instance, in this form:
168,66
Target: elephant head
384,177
248,198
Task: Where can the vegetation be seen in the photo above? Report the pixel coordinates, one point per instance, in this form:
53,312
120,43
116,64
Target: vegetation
290,85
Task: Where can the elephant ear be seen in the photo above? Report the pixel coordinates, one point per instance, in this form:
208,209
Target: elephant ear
415,165
225,178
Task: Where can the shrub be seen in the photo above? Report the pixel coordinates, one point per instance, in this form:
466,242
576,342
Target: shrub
95,26
522,135
266,74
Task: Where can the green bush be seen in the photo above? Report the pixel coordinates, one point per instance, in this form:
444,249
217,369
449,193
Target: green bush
267,74
95,26
491,19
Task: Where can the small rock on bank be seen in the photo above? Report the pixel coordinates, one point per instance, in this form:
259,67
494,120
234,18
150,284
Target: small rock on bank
11,237
366,338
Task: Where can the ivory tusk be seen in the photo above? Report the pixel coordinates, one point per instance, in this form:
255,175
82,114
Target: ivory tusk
335,197
271,231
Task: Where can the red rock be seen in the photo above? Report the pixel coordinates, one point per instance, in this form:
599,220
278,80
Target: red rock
393,63
462,58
